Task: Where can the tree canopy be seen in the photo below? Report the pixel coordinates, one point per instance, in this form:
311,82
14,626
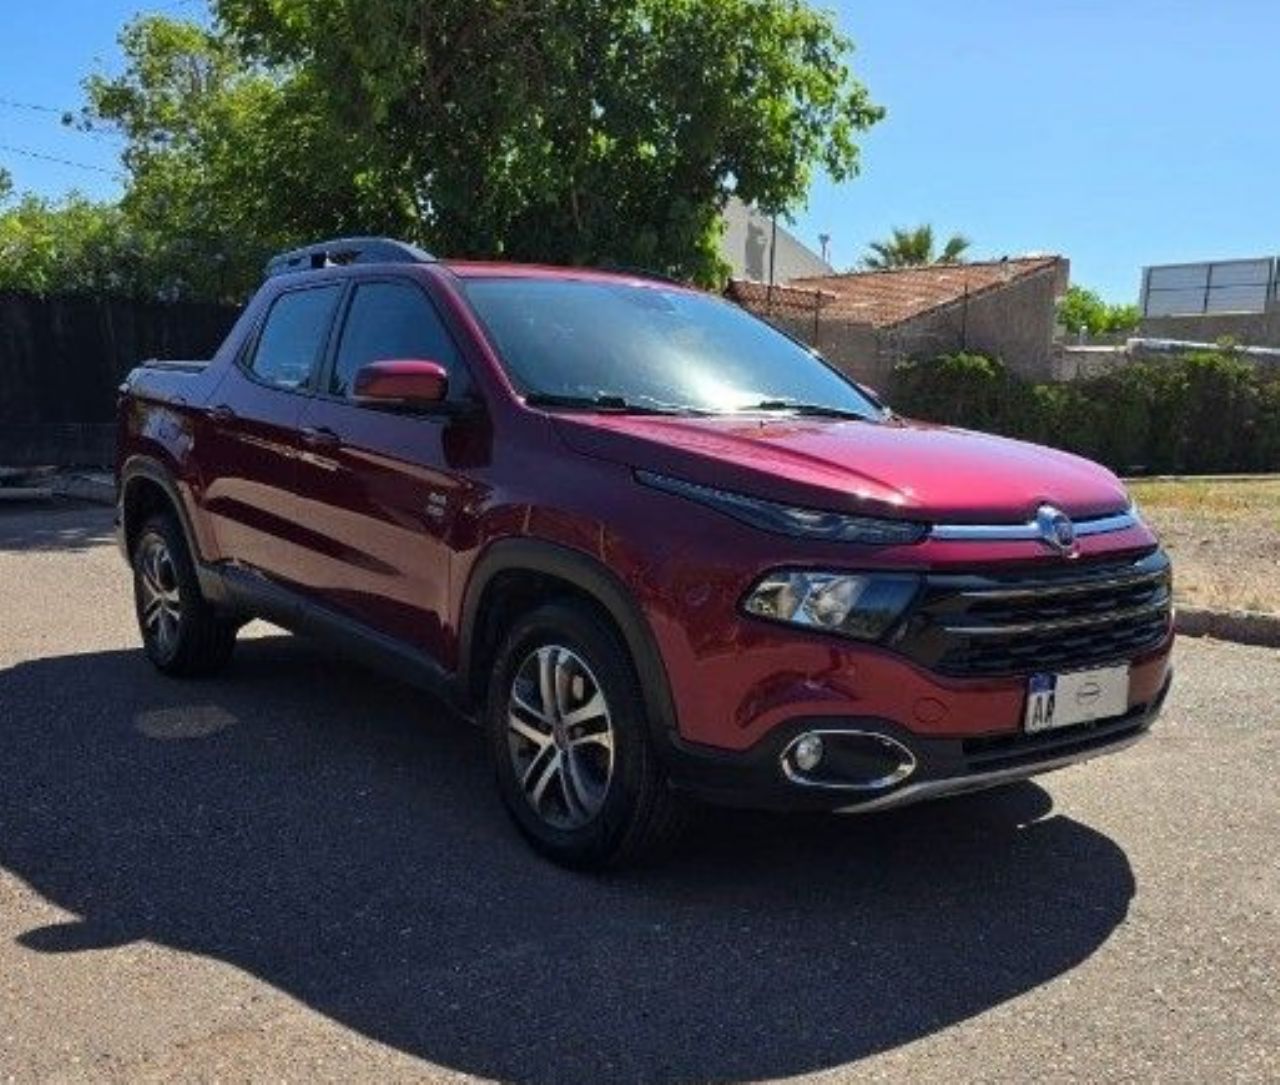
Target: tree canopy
1083,310
570,131
914,248
70,245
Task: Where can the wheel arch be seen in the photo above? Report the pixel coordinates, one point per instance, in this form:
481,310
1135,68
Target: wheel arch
148,486
557,571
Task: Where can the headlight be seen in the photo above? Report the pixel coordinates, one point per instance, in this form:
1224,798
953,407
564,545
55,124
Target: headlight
861,605
791,520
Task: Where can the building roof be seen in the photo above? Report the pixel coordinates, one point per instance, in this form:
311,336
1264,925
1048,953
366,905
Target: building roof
885,298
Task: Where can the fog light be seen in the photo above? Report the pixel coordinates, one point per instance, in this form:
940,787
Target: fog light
808,753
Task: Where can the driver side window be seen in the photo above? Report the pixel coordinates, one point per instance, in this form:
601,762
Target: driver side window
390,322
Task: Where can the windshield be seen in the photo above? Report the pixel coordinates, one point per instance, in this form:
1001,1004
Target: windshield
624,344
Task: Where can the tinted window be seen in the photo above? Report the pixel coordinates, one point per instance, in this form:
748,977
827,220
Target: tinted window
650,344
294,335
390,321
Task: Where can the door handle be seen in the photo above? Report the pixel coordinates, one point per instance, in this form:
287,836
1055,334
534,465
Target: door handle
320,437
222,414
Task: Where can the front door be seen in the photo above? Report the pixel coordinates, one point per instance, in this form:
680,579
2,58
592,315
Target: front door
385,488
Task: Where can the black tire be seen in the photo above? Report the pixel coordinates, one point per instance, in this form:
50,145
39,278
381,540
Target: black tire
182,634
638,816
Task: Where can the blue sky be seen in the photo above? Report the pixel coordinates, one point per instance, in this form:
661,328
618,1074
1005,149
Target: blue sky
1116,132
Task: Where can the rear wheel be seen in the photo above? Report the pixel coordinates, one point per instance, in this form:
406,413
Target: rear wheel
570,742
181,633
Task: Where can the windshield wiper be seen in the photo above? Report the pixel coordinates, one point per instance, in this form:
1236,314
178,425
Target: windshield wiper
812,410
605,401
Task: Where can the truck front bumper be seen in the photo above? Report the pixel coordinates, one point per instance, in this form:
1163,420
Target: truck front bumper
877,765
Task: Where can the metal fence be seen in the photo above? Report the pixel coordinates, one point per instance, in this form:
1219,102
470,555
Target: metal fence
61,358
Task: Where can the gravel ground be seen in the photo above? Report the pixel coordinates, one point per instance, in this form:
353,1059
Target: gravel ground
1223,536
299,872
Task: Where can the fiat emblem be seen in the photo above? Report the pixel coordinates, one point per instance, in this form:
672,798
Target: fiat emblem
1056,530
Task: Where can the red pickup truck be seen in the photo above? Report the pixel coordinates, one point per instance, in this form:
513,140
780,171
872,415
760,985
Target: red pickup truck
658,549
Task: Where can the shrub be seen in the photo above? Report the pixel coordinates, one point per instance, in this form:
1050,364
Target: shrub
1198,413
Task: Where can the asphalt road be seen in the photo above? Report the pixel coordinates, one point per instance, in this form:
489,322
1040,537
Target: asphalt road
299,872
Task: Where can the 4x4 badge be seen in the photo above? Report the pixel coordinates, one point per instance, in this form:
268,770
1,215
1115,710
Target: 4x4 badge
1056,530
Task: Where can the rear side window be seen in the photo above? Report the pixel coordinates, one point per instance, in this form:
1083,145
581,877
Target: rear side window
293,336
388,322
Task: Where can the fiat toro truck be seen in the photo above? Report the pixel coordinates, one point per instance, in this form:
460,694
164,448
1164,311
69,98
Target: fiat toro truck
656,548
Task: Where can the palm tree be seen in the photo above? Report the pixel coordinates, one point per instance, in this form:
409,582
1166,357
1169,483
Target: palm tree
914,248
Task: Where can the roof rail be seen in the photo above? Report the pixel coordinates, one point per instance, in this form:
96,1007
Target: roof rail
341,251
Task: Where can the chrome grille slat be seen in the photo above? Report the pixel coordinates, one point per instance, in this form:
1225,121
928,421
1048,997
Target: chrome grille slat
1097,525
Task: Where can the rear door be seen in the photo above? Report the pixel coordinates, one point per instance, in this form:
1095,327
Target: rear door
251,434
385,488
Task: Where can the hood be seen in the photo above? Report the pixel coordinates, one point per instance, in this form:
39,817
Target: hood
902,469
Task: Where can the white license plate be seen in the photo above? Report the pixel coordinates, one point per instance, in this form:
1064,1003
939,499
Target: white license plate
1059,700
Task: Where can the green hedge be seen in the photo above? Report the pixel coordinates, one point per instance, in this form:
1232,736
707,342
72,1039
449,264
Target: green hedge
1196,413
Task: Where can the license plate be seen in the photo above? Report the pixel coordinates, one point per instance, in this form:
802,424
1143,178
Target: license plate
1059,700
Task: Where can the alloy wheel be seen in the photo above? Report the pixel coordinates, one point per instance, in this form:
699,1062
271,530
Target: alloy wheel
160,602
560,737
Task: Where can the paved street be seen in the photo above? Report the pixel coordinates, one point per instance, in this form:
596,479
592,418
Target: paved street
300,872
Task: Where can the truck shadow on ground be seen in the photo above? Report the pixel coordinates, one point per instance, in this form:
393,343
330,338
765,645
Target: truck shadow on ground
336,836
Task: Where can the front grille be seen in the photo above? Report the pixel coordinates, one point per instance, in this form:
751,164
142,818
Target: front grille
1002,624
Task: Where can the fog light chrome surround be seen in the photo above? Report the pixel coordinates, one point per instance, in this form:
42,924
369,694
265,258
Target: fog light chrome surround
830,740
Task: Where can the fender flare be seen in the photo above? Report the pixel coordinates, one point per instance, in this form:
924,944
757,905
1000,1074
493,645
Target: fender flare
594,579
150,469
147,468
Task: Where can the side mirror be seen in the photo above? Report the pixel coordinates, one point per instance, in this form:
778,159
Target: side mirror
402,383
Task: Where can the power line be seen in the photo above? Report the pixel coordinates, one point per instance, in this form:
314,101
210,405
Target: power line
60,161
64,116
33,107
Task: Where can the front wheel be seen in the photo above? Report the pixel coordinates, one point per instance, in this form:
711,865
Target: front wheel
569,738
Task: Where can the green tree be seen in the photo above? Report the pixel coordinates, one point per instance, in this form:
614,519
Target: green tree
226,160
73,245
1123,318
575,131
1083,310
914,248
6,185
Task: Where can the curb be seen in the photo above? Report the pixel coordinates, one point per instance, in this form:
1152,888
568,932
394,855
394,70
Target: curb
1260,477
97,488
1240,626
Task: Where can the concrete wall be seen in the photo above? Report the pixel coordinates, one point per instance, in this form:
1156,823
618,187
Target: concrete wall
1014,323
1247,329
854,349
746,243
